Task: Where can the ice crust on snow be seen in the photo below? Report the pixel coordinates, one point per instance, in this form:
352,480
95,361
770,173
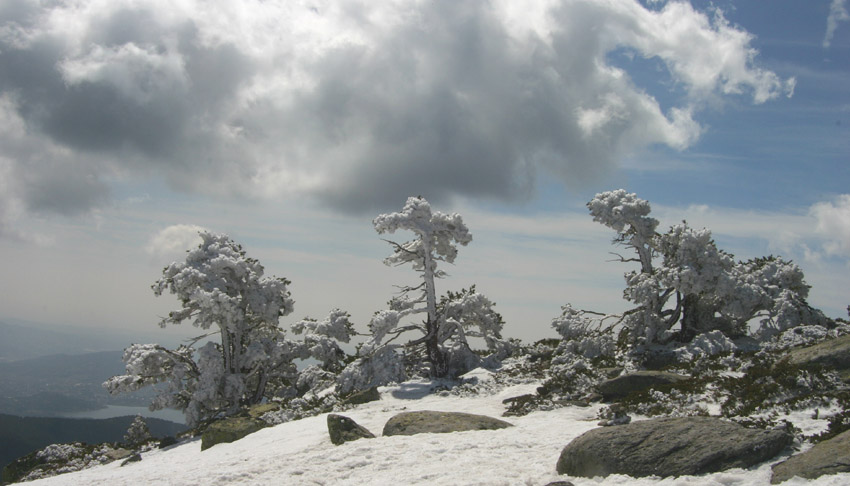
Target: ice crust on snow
300,452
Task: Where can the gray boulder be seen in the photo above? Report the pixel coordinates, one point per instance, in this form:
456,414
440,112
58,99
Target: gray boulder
832,353
134,458
426,421
343,429
229,430
621,386
669,447
828,457
363,396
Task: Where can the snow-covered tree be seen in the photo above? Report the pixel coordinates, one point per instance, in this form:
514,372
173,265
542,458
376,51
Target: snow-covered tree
696,288
321,338
443,342
220,288
138,433
320,341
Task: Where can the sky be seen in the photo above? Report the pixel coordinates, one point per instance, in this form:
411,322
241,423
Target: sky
128,125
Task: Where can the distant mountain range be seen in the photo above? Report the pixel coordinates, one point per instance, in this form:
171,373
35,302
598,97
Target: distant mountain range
24,339
21,435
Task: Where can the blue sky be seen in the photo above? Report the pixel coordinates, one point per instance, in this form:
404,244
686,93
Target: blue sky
290,125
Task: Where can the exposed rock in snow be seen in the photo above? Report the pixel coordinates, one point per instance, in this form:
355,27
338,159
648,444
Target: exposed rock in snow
426,421
640,380
833,353
827,457
229,430
343,429
670,447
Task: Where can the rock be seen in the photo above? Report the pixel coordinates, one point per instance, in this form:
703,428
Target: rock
669,447
363,396
520,400
828,457
623,385
426,421
832,353
560,483
117,454
520,405
343,429
257,411
229,430
611,372
134,458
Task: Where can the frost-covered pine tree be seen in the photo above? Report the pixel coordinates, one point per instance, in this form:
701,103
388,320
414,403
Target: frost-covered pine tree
696,288
223,290
321,342
448,323
138,433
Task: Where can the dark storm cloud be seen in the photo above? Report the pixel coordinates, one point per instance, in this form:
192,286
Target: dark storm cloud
355,105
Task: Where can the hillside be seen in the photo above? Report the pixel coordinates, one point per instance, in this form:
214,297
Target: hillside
300,452
22,435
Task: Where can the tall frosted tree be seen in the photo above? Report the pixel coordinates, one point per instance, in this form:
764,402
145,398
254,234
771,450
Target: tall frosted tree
448,322
223,290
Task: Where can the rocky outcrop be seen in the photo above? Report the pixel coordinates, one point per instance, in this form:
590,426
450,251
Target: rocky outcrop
229,430
343,429
363,396
669,447
134,458
426,421
828,457
832,353
623,385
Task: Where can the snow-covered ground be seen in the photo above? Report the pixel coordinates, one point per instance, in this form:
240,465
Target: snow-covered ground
300,452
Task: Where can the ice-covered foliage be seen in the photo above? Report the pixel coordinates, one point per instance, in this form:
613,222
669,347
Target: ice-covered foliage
321,338
138,432
58,459
222,289
443,342
581,335
696,288
707,344
380,366
805,336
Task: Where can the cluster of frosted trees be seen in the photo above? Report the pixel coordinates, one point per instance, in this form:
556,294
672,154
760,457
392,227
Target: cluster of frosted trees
686,288
225,292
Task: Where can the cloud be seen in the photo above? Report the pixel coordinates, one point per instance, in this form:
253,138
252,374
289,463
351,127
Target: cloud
171,243
355,105
837,13
833,224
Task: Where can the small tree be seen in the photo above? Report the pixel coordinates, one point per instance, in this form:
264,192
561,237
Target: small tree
443,343
138,433
219,288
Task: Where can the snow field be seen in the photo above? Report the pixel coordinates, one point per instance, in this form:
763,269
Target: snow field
300,452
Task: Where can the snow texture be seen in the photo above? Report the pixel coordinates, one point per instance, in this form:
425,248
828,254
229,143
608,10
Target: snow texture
300,452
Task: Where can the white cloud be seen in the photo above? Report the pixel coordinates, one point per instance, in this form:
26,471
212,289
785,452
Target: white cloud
171,243
837,13
833,224
354,104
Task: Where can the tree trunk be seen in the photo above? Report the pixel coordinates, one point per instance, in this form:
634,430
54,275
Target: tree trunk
697,317
436,355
